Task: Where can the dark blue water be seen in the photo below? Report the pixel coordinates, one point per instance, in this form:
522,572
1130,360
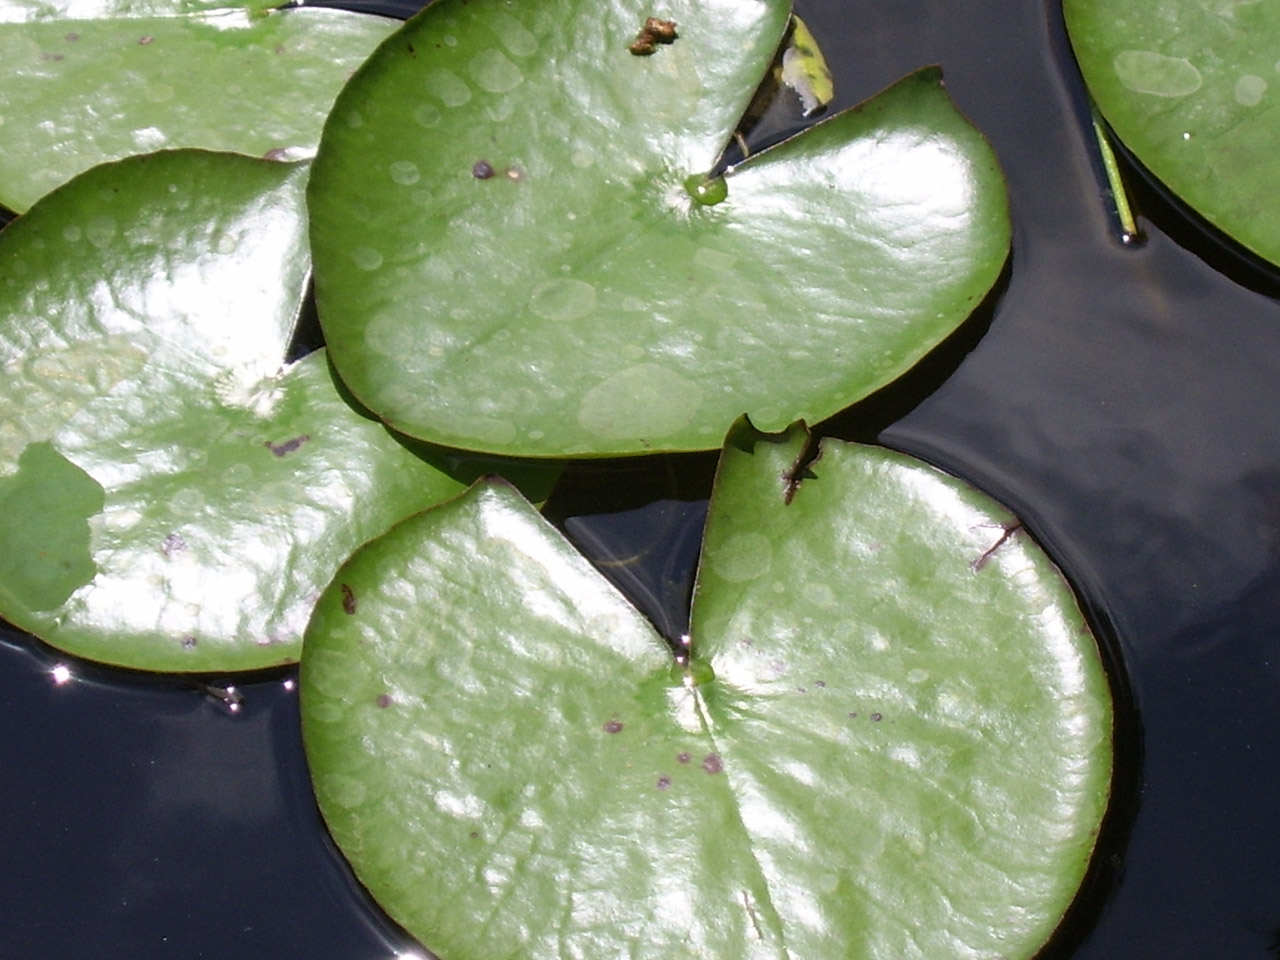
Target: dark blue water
1125,401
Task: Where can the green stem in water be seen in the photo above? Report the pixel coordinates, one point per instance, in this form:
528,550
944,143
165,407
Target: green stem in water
1129,231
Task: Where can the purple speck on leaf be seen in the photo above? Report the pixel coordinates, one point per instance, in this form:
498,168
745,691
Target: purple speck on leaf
288,446
712,763
683,758
663,782
384,700
613,726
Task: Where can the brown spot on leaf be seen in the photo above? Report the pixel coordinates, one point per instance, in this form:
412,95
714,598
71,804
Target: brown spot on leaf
288,446
384,700
482,170
348,600
613,726
712,763
663,782
663,31
143,41
800,471
654,32
877,717
683,758
72,37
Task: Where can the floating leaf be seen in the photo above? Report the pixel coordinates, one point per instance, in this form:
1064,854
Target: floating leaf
517,249
891,738
88,82
172,496
1192,89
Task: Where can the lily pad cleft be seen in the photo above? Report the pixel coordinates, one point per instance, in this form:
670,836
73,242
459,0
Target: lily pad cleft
877,748
520,247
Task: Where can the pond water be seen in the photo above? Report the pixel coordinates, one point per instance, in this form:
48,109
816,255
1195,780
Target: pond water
1124,400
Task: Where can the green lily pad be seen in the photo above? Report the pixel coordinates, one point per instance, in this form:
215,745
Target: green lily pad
891,737
88,82
172,494
517,250
1192,88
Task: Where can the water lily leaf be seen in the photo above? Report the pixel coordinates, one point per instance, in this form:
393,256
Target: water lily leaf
172,495
88,82
516,249
891,737
1191,89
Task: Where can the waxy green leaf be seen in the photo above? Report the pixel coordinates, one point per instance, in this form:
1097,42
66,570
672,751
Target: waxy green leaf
172,494
517,250
891,736
88,82
1191,89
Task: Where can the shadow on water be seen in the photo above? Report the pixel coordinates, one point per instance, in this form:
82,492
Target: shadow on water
640,523
864,421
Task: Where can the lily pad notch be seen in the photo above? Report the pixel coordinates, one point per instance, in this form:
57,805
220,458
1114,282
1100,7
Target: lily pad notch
877,748
518,252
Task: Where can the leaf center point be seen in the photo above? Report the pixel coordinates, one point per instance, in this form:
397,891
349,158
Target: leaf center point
707,191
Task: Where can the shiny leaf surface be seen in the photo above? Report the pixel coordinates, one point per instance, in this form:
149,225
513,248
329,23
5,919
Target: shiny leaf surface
892,738
1191,89
172,495
516,249
88,82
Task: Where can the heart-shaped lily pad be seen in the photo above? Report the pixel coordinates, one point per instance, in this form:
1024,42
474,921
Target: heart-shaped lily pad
517,251
172,495
891,737
1192,89
88,82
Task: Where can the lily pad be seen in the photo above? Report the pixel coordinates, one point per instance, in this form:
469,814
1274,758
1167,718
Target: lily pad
88,82
517,249
172,494
1192,89
891,736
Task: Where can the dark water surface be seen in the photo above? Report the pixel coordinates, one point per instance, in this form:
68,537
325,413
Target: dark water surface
1124,401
